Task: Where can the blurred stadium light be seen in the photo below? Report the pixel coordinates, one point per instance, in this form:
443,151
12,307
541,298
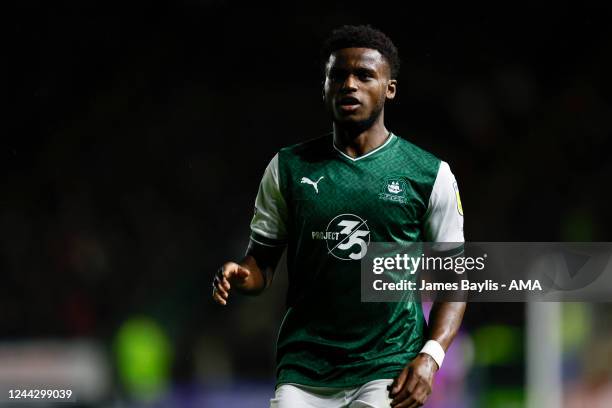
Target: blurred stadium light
81,366
144,357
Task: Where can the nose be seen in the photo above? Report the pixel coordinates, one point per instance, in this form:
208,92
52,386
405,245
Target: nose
349,84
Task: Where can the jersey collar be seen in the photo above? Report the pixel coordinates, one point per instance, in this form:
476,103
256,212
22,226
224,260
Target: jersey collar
370,153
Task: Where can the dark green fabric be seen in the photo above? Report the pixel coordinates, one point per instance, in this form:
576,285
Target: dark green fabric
328,336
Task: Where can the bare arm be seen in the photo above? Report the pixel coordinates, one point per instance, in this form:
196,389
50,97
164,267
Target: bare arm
414,384
250,276
444,322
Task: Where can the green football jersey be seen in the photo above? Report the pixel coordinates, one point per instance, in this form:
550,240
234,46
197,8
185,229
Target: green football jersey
327,208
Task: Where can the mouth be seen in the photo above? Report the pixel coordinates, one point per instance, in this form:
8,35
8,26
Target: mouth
349,103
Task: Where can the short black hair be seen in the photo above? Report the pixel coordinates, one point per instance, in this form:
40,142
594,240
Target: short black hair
361,36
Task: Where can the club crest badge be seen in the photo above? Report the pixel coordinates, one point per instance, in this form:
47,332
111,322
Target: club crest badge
394,189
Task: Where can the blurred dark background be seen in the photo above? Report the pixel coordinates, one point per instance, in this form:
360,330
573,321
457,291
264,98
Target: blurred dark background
138,134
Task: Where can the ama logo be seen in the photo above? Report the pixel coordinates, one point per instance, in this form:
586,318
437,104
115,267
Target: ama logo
347,237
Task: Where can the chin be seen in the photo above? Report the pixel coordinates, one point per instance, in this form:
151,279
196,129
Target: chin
348,119
354,124
354,117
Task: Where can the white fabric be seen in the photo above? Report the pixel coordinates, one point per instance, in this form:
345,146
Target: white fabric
435,350
373,394
270,219
444,216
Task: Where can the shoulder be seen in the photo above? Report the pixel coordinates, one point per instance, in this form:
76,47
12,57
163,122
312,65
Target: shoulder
418,156
415,152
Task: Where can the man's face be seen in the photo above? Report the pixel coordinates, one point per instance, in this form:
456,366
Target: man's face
357,84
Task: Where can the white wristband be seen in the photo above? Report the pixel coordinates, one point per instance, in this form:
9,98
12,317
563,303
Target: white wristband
435,350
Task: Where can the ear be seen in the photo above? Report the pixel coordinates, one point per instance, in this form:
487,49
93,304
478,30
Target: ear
391,89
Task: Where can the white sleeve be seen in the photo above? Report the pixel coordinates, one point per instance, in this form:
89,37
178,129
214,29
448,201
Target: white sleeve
444,215
269,223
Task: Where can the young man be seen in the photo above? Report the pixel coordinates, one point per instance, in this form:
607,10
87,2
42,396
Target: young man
326,200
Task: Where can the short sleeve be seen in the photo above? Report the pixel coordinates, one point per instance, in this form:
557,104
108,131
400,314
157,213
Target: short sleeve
444,215
269,223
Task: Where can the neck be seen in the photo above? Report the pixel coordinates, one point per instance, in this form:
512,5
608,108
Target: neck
357,142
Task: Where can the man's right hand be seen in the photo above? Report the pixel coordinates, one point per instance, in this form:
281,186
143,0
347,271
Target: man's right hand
229,274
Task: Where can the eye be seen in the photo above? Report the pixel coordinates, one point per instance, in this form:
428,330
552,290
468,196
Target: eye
364,75
336,76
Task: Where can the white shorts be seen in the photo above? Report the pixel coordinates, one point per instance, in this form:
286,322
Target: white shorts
370,395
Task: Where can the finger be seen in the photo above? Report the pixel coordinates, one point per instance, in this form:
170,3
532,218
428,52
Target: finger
222,272
224,294
398,383
407,403
217,297
220,289
420,393
411,402
420,401
402,399
242,272
221,281
412,382
225,284
406,393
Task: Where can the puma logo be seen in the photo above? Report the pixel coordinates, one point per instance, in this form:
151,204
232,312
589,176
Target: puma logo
306,180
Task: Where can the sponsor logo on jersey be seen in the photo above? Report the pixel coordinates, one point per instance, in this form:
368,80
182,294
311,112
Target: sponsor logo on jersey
314,184
347,237
394,189
459,206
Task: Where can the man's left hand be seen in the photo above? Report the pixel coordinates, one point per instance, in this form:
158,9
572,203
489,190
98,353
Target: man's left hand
415,382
